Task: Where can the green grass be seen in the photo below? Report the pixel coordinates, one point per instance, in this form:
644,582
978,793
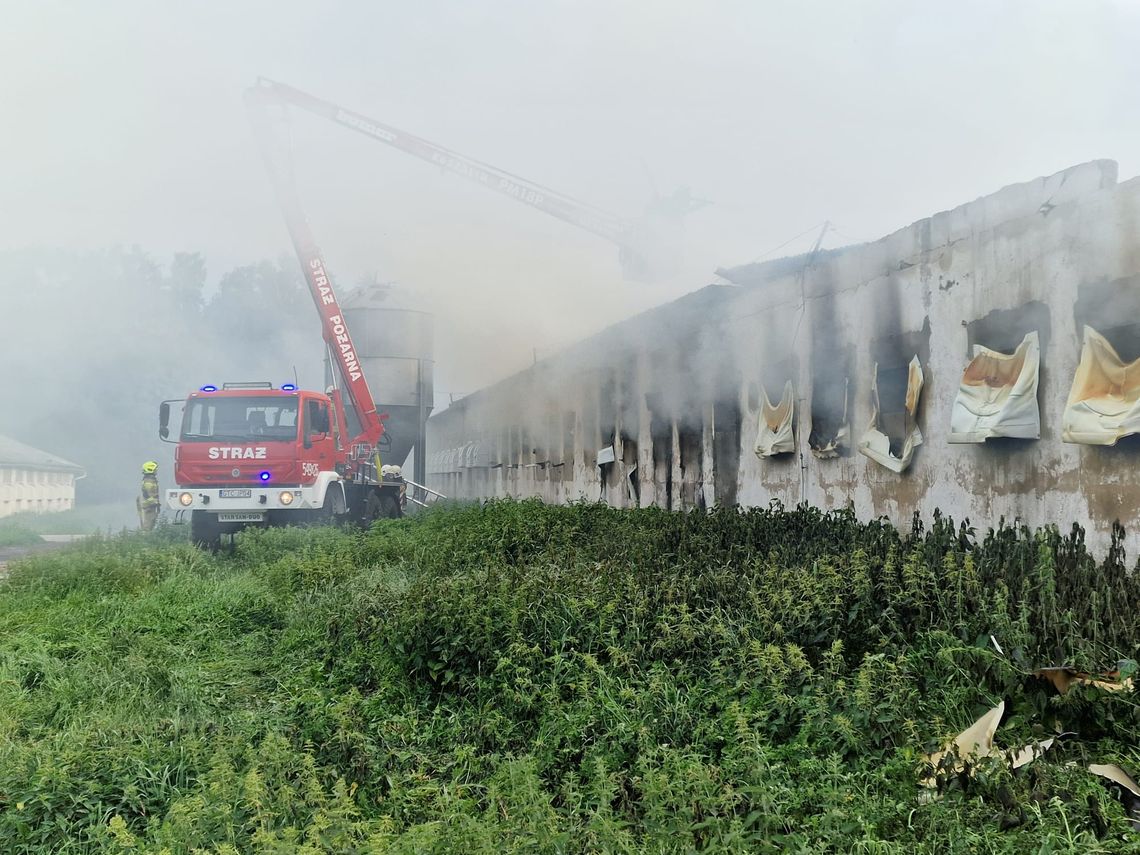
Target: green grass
17,536
516,677
81,520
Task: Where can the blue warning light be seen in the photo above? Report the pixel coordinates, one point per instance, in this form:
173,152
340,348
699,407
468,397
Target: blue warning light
288,387
264,476
209,388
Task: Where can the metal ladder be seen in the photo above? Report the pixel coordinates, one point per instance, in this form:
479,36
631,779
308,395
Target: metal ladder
421,495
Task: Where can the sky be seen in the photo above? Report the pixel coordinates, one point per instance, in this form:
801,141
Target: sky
125,125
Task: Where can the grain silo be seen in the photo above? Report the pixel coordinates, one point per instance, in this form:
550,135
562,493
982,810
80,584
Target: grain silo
395,344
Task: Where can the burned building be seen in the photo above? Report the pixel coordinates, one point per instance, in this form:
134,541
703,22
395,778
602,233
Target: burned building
983,361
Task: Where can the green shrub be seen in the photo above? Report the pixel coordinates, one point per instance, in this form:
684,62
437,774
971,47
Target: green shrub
15,534
521,677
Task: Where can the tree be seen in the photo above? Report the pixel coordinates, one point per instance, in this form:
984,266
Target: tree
92,342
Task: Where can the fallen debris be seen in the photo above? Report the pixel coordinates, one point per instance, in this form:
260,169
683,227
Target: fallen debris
975,742
1027,754
1064,679
1117,775
1129,790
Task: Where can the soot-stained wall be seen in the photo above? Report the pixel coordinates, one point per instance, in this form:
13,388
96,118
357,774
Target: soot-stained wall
673,393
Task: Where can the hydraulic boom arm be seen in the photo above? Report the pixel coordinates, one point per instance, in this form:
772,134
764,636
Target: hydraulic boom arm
552,202
334,328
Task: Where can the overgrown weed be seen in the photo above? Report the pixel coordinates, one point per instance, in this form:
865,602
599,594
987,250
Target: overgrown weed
522,677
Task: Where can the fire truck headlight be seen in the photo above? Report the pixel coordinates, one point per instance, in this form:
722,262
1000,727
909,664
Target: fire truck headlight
286,497
186,499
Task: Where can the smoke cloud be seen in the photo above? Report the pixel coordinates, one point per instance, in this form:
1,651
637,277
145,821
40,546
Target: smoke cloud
142,253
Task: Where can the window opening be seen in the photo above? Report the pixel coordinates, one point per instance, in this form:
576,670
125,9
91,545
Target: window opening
775,432
893,433
997,396
726,450
1104,400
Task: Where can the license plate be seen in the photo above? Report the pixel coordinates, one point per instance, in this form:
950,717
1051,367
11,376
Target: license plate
241,517
235,494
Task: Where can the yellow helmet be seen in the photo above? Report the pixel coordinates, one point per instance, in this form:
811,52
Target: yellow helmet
150,467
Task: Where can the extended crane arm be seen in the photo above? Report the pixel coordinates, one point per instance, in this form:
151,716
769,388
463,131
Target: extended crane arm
552,202
333,326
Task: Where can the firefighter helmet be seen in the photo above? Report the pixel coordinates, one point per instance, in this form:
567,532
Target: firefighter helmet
150,467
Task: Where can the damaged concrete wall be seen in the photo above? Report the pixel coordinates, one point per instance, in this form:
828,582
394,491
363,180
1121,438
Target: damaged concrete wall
675,392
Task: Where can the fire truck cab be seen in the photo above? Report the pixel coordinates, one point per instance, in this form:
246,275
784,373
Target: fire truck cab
249,454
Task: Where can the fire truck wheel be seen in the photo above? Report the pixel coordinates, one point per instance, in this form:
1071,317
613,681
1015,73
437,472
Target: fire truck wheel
205,532
332,511
322,515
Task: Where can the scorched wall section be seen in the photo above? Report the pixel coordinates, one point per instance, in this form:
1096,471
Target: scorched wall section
664,408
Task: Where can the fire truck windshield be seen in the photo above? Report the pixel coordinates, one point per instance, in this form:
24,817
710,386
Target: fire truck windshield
260,419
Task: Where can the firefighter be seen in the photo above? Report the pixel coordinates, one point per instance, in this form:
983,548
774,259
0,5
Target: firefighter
148,503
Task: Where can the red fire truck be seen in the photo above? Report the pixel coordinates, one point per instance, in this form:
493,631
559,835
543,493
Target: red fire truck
254,454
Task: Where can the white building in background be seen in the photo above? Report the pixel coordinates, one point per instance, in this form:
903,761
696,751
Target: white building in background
35,481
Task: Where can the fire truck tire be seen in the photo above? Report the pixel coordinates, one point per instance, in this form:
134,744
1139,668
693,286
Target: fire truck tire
205,532
332,511
322,515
